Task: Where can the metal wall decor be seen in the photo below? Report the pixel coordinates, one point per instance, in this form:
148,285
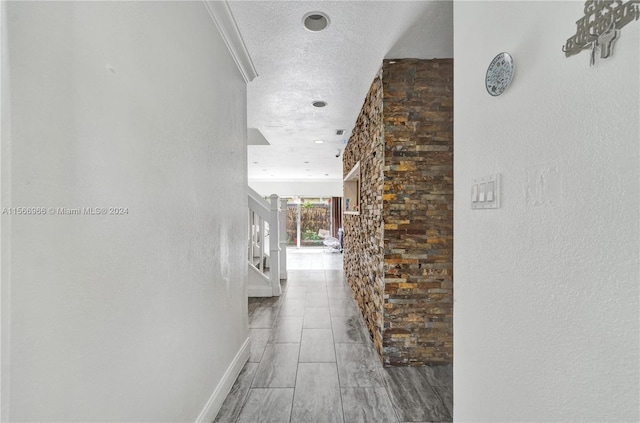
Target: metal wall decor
499,74
600,27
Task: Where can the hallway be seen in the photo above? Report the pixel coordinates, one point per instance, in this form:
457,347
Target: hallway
312,360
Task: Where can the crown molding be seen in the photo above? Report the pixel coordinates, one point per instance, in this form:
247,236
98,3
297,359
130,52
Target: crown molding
223,18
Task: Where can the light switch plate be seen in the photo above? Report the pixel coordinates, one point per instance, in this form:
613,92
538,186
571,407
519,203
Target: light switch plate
488,188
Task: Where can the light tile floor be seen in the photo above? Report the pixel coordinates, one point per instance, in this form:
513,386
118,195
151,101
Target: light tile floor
312,359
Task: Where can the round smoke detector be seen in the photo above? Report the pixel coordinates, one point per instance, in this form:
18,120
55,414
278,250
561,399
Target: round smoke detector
315,21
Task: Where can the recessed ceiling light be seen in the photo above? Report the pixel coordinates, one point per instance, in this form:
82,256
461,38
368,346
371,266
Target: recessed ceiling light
255,162
315,21
306,162
326,174
319,142
319,103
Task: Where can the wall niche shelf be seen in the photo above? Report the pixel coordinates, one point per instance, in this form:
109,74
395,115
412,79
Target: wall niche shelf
351,188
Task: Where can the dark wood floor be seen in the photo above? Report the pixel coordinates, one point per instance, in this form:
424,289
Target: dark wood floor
312,359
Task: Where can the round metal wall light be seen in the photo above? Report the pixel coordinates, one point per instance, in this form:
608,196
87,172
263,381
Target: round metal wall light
315,21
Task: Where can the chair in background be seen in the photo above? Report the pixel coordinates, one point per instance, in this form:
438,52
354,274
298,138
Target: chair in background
332,243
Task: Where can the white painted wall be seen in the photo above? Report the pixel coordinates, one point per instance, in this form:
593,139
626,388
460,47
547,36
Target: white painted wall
134,317
310,188
4,223
546,297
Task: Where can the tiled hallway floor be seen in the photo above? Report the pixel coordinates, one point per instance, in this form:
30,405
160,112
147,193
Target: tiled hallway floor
313,361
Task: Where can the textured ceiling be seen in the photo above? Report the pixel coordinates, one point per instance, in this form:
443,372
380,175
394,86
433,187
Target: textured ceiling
296,67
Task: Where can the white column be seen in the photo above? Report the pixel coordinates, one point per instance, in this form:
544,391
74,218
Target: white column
298,224
274,245
283,238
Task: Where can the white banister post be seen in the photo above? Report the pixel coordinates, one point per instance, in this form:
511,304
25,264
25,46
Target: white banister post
274,245
261,240
250,243
283,238
298,224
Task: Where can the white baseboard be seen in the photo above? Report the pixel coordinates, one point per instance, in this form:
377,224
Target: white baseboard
259,291
212,407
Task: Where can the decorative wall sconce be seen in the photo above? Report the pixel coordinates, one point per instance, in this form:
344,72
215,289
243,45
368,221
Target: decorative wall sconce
600,27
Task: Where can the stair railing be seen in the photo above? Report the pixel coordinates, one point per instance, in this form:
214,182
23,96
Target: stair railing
264,251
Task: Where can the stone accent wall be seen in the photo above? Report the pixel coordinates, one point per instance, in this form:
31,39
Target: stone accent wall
418,212
364,245
410,307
